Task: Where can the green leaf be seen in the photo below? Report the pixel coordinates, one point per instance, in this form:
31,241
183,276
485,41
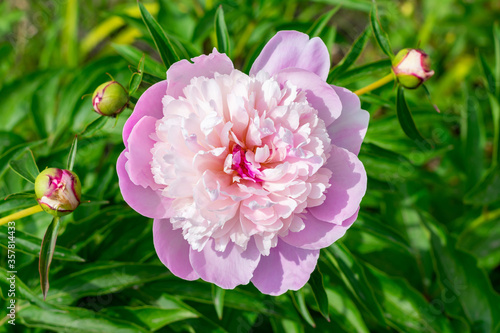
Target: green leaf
94,126
318,288
163,44
358,5
473,138
350,57
300,304
480,238
218,299
319,25
495,110
223,42
488,74
74,319
46,254
30,244
134,56
149,317
496,38
72,154
405,308
353,275
405,118
25,166
366,71
136,78
380,35
104,278
463,283
22,290
21,195
344,311
486,191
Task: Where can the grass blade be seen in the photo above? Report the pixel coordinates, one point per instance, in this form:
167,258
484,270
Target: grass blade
405,118
163,44
218,299
223,43
351,56
380,34
318,288
72,154
25,166
46,254
319,25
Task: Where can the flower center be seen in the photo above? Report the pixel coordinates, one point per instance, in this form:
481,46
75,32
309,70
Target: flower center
245,168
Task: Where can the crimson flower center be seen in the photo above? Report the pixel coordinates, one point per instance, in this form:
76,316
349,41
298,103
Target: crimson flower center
244,167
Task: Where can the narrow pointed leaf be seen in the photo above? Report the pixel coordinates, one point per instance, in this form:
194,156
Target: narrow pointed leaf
351,56
25,166
30,244
488,74
319,25
380,34
354,277
496,38
464,282
133,56
136,79
405,118
300,303
72,154
319,292
218,299
46,254
223,43
21,195
94,126
163,44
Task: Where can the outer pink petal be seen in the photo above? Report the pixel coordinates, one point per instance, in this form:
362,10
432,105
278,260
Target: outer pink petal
349,130
172,249
286,268
145,201
318,234
348,186
149,104
139,153
319,94
226,269
179,75
293,49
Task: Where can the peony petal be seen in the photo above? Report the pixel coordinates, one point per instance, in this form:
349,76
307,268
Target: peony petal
139,153
286,268
179,75
348,186
172,249
318,234
145,201
226,269
319,94
348,130
149,104
293,49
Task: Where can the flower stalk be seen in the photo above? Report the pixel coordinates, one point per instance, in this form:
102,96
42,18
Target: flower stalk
20,214
383,81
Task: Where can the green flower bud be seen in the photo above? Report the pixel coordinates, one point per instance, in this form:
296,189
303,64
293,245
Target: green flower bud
110,99
412,67
58,191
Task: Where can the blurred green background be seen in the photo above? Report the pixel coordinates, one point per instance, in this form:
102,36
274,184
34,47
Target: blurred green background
424,255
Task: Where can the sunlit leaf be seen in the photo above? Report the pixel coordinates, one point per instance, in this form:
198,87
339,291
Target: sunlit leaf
25,166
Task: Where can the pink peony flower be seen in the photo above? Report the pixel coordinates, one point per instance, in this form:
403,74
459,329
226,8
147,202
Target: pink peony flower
246,176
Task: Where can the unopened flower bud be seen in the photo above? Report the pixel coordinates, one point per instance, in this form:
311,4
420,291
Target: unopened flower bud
58,191
110,99
412,67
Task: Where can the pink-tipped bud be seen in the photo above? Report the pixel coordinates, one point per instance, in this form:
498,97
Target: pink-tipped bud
110,99
412,67
58,191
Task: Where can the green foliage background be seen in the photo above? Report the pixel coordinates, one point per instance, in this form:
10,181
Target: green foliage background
424,255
